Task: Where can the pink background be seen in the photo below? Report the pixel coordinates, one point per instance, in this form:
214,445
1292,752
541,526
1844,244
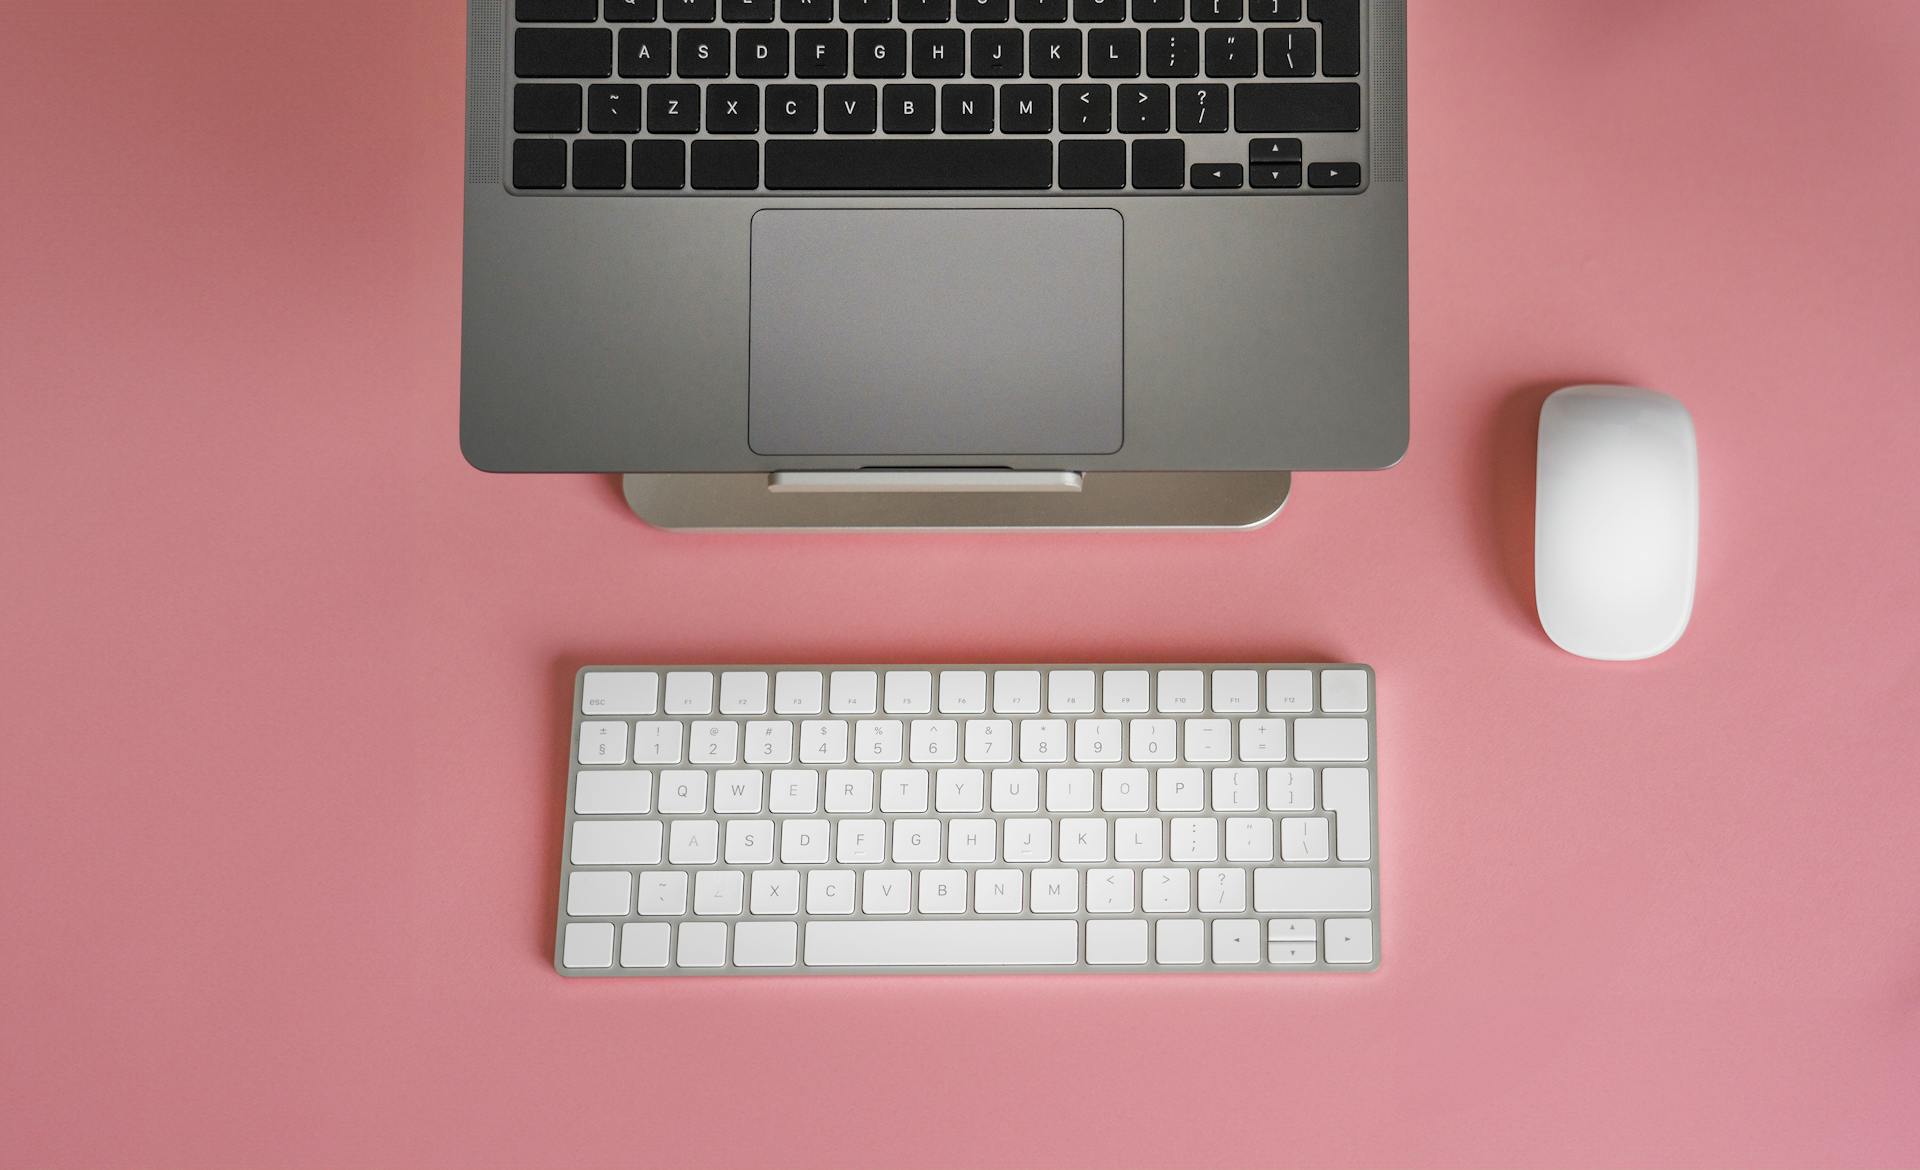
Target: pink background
285,682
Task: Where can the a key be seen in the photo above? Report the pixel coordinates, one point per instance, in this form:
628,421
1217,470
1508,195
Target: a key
1289,789
1166,891
1313,890
551,109
1180,942
1194,839
939,52
659,165
866,11
820,52
934,741
1343,691
713,741
849,790
989,741
1216,176
1016,790
1343,791
966,109
563,52
768,741
1330,740
633,11
1109,891
602,792
1236,789
910,692
766,944
1096,741
806,11
614,109
603,741
1099,11
1138,839
1055,891
1040,11
1289,52
693,842
624,692
963,692
853,692
1237,941
644,944
646,52
904,790
1159,11
1070,692
830,891
534,11
719,891
1223,891
1296,107
998,891
823,741
1334,176
997,53
1275,175
673,109
1272,11
1232,52
1093,166
919,943
687,11
703,52
1236,691
850,109
943,891
738,790
1113,52
804,842
683,790
959,790
746,11
880,52
1159,164
1262,740
1349,940
916,842
860,842
586,945
1303,839
1123,789
1144,109
1249,839
1028,109
1183,691
616,843
797,692
981,11
761,52
1217,11
539,164
1179,789
1339,22
925,11
972,842
886,891
1083,839
907,109
1016,692
1287,690
701,944
731,109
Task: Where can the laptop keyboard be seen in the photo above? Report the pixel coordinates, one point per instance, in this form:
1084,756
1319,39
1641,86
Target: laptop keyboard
1249,97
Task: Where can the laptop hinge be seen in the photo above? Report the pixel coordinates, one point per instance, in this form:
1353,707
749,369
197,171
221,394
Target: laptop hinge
934,480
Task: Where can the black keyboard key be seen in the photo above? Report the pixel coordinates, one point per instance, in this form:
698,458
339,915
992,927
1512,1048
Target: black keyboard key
997,52
793,109
1145,109
820,52
1217,176
1275,175
539,164
563,52
1040,11
1334,175
1159,11
1086,109
733,109
910,165
687,11
806,11
1289,52
1113,52
546,109
1099,11
966,109
982,11
1093,166
1296,108
1200,109
554,10
1173,52
866,11
613,109
1026,109
726,166
852,109
673,109
746,11
632,11
880,52
1218,11
646,52
1055,52
1273,11
1232,52
1159,164
760,52
1274,150
600,165
939,52
1339,22
926,11
907,109
703,52
659,164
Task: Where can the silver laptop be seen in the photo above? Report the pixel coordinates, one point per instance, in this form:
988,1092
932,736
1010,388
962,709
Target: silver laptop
797,235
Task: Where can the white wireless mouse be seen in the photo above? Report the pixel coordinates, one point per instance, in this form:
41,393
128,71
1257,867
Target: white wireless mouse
1616,521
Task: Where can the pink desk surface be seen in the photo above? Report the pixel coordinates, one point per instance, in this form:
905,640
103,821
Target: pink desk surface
284,683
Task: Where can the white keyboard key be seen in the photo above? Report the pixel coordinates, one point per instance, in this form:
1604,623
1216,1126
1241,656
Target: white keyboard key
644,944
1016,790
1292,954
1109,891
1166,891
916,842
830,891
1097,741
796,692
743,692
877,741
853,692
1055,891
702,944
599,893
909,692
1349,940
1321,889
1195,839
1181,789
1125,692
683,791
737,790
958,790
862,842
1303,839
1137,839
603,741
886,891
803,842
1289,789
693,842
971,842
1343,691
749,842
943,891
1331,740
1182,691
998,891
657,741
1027,841
904,790
1249,839
769,741
1344,793
599,793
616,843
823,741
689,692
1292,930
1263,740
1019,943
1209,741
1236,789
1236,692
766,944
586,945
963,692
1070,692
1016,692
795,790
989,741
718,892
1153,741
1180,942
934,741
1290,692
624,692
1083,839
1123,789
1043,741
663,895
1223,891
849,790
1069,790
1236,941
1116,944
775,891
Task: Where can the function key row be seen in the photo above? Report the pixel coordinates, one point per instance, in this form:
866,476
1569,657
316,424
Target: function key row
927,11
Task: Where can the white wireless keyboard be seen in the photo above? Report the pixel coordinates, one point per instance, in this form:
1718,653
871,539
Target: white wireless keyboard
734,820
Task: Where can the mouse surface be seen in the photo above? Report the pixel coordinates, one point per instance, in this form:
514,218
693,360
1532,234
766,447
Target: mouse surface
1616,521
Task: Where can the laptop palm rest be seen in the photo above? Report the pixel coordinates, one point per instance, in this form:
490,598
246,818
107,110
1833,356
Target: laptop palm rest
936,332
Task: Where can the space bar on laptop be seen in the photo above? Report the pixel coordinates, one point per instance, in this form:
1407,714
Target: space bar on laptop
912,165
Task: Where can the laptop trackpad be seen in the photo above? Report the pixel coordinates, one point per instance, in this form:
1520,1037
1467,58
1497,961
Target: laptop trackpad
936,332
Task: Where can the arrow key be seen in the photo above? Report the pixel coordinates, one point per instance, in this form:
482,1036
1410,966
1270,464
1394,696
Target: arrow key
1285,175
1349,940
1217,176
1236,941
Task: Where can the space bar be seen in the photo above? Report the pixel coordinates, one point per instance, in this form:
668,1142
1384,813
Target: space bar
942,944
910,165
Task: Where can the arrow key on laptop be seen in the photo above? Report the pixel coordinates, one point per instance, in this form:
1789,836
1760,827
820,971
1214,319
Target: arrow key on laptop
1217,176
